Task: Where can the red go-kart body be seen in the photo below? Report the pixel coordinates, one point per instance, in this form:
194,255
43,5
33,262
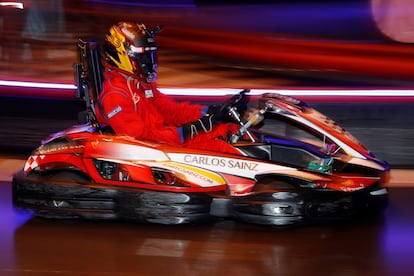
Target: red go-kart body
295,166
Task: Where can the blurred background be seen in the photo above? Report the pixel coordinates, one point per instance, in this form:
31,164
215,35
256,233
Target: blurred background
361,47
356,45
296,43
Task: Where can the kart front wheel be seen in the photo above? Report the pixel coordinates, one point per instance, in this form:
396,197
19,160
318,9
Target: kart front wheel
279,208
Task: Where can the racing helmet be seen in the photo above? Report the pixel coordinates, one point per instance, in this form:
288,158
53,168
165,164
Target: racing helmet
131,47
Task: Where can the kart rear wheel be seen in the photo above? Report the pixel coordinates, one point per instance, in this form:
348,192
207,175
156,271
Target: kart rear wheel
68,195
61,195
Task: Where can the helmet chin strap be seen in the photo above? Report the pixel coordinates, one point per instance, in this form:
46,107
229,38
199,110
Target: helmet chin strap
149,77
152,77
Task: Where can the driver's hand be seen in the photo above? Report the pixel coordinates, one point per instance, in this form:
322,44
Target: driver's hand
240,103
220,112
215,111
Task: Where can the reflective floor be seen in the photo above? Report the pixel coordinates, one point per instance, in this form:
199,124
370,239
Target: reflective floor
33,246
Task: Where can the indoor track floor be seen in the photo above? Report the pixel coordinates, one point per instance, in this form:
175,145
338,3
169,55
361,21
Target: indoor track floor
33,246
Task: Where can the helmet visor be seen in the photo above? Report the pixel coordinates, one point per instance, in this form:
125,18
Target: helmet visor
146,59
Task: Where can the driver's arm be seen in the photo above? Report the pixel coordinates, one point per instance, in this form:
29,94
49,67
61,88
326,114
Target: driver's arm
127,119
176,113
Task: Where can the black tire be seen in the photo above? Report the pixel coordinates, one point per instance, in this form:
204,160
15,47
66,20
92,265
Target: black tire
279,203
68,195
62,195
279,208
165,207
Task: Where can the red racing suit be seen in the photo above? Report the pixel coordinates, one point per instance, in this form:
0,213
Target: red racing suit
133,107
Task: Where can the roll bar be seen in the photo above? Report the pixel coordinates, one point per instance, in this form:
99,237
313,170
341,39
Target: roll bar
89,78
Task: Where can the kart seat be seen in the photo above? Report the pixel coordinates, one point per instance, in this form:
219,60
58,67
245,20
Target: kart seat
89,81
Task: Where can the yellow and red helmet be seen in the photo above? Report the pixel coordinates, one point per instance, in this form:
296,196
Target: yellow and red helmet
131,47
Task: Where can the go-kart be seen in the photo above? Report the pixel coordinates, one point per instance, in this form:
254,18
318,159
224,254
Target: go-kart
295,166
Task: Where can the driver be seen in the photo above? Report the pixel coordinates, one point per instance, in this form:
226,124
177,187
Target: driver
131,104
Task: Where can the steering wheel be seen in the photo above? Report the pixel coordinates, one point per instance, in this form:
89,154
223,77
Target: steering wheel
236,105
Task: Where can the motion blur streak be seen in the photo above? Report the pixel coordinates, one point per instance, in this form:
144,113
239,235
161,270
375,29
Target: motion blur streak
36,84
167,3
17,5
56,90
391,60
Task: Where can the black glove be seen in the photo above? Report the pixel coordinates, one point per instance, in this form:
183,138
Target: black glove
238,103
204,124
215,112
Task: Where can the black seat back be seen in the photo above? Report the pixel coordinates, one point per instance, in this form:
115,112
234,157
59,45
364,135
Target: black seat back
89,79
